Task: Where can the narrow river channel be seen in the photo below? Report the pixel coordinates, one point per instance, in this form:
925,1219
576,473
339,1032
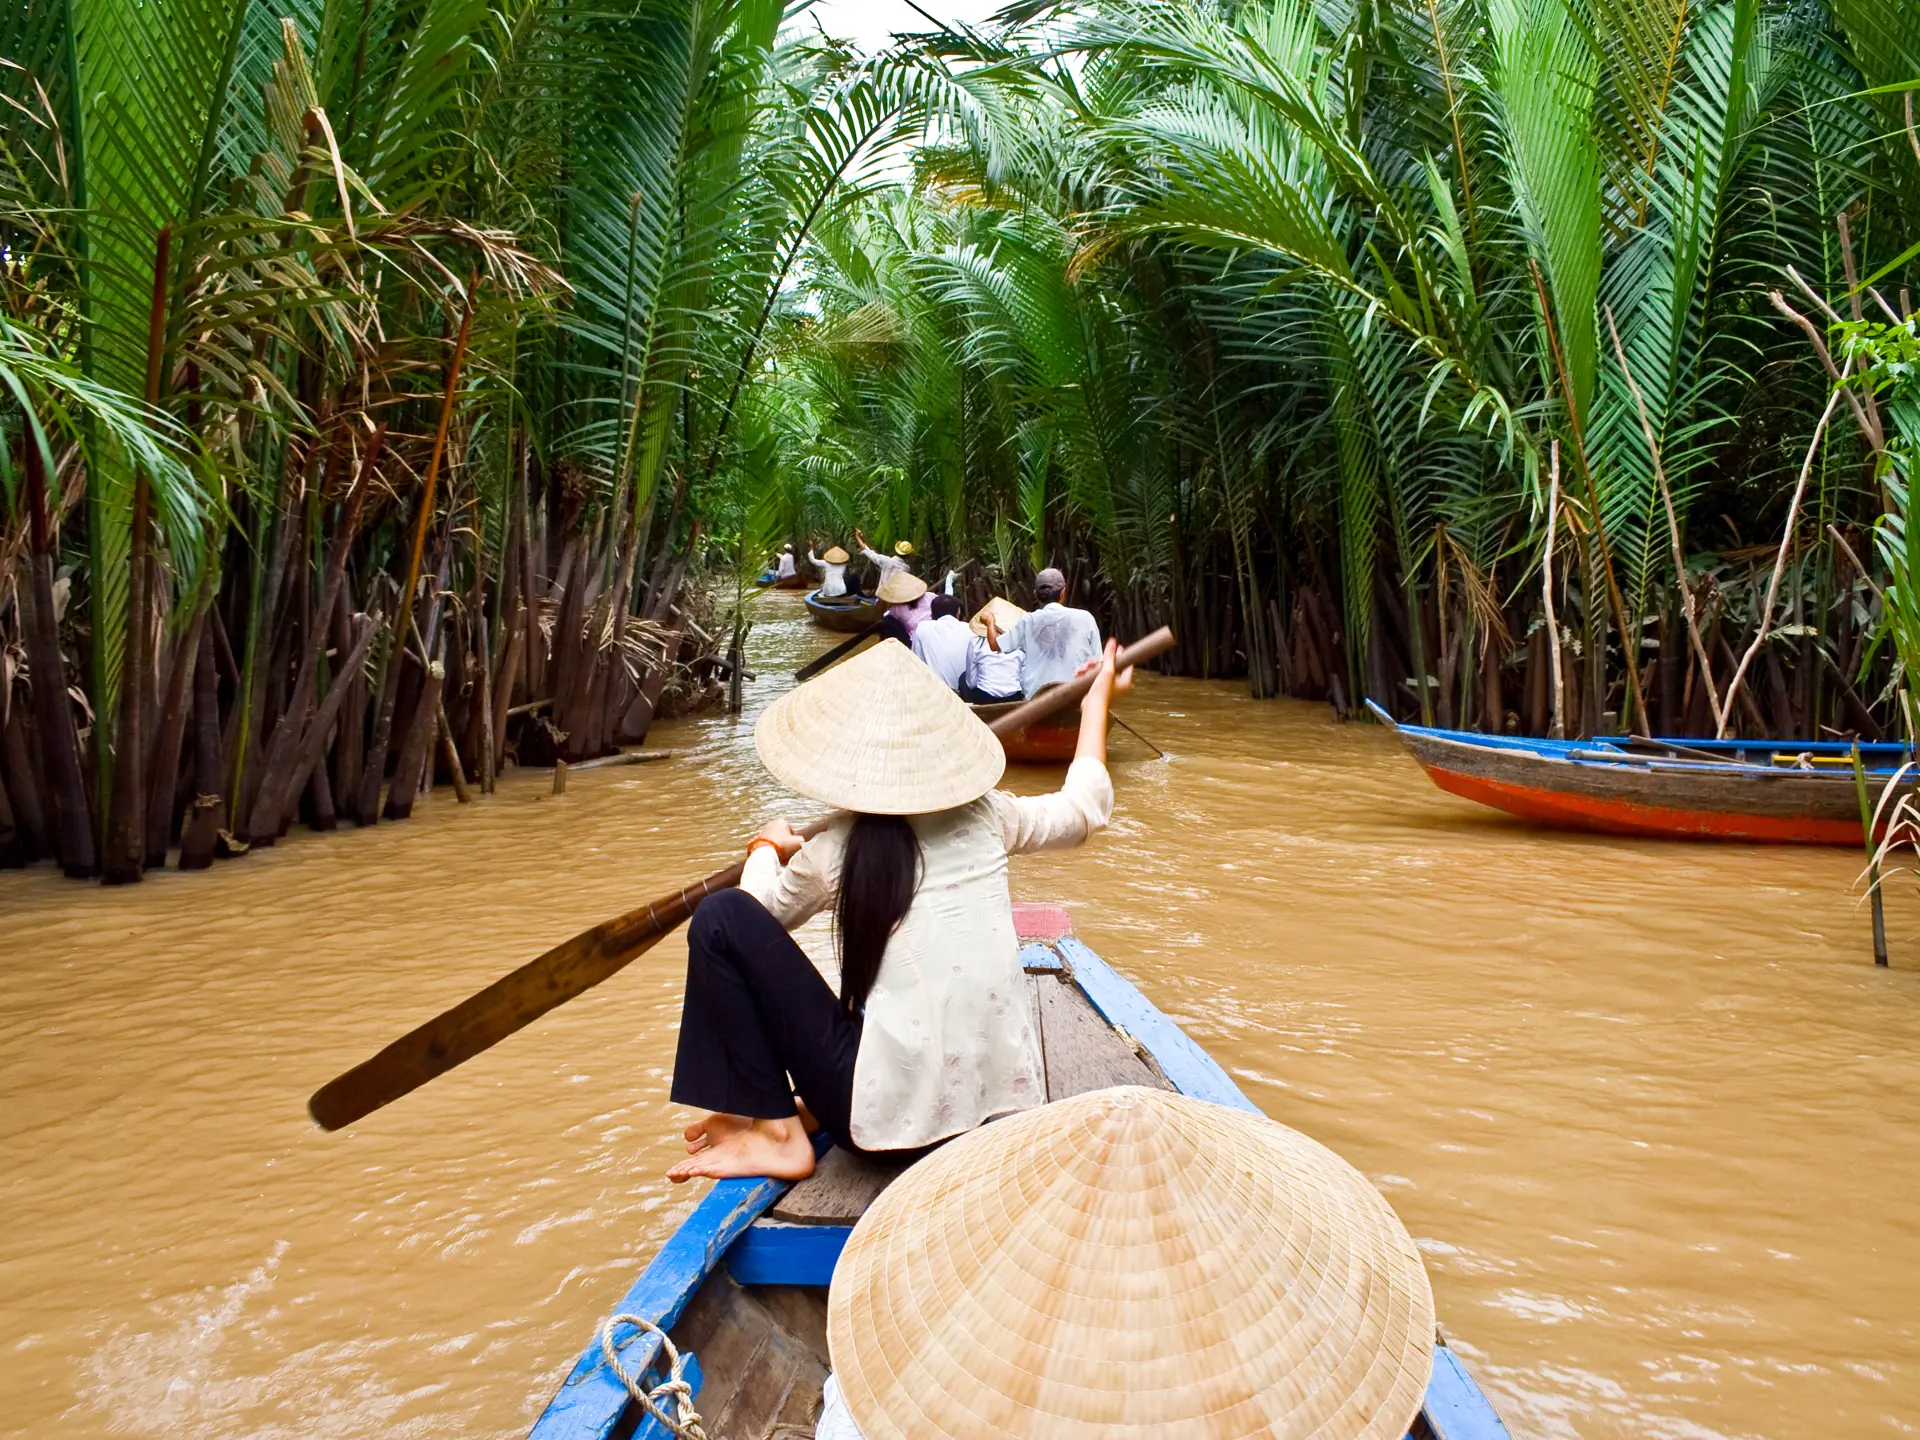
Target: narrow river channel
1651,1113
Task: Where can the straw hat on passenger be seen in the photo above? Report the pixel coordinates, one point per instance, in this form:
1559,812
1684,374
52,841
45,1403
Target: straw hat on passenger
835,556
902,587
903,547
1136,1263
879,733
1004,613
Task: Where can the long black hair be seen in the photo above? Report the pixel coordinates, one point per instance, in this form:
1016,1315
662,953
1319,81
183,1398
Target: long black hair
878,877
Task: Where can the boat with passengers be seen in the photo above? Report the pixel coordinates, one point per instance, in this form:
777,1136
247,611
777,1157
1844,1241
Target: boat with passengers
741,1287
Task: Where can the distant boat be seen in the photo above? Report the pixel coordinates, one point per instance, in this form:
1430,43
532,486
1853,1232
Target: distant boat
844,612
1780,792
771,580
741,1286
1049,743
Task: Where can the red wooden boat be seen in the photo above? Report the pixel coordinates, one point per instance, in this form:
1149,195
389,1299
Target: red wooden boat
1800,793
1044,744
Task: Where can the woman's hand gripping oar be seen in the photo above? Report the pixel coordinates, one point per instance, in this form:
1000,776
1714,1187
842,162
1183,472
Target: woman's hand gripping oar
517,999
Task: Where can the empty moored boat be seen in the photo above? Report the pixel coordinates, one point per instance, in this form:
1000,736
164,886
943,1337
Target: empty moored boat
844,612
741,1287
1782,792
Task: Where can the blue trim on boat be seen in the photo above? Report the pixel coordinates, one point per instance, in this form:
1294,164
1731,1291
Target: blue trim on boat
727,1225
592,1398
1189,1068
772,1252
1039,957
652,1429
1881,757
1455,1407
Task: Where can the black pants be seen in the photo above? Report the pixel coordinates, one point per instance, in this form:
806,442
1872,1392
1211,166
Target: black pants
974,695
760,1025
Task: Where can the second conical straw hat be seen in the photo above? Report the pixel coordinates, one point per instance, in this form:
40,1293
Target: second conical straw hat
1133,1263
1004,613
880,733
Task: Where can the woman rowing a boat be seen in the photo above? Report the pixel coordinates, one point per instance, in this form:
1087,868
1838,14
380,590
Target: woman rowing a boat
930,1033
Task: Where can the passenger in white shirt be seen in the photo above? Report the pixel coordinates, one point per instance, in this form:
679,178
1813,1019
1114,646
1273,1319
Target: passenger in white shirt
833,571
784,570
993,676
1053,640
942,642
931,1032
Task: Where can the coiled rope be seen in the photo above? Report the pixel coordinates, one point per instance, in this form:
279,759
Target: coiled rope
686,1421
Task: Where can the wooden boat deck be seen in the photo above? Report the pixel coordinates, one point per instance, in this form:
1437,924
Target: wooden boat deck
742,1284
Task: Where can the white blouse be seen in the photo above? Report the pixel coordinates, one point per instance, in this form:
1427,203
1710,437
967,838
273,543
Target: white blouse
948,1039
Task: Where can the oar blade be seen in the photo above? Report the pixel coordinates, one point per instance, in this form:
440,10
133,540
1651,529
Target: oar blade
508,1005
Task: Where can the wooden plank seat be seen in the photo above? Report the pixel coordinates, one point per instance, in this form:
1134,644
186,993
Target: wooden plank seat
1081,1052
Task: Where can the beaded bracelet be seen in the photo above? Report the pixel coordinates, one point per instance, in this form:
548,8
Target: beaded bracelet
759,840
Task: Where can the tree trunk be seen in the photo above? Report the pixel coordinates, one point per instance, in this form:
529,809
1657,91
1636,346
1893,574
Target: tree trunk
173,728
417,746
207,814
289,735
23,781
503,685
53,714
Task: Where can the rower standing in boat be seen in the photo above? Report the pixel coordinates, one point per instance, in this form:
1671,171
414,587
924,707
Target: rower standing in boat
1054,640
932,1032
833,571
894,564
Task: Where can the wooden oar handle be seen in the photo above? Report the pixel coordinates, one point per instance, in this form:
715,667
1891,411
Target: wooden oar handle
516,1000
1051,702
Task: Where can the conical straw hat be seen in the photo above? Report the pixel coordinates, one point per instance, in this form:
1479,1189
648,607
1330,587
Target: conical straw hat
1004,613
835,556
902,587
1132,1263
880,733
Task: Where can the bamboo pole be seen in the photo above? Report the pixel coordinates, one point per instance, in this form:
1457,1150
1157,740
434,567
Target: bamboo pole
1558,729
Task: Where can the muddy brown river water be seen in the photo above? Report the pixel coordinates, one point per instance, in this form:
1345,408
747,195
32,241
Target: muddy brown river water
1649,1110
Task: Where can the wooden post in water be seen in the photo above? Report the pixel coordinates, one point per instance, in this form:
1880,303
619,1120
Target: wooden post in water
559,777
1873,860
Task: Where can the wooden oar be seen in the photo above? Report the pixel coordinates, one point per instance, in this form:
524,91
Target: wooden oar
1158,752
517,999
814,666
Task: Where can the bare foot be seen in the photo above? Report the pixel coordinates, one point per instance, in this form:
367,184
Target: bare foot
779,1149
710,1129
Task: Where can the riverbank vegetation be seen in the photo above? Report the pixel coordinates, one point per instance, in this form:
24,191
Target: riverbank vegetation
371,373
1475,356
376,374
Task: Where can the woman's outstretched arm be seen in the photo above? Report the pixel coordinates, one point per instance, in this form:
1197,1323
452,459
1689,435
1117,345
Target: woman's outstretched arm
1098,700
